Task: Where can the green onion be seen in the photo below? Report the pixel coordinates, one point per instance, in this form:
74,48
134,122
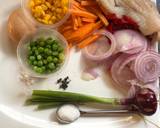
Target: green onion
45,96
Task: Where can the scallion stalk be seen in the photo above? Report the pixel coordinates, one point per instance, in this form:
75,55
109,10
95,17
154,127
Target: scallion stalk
145,100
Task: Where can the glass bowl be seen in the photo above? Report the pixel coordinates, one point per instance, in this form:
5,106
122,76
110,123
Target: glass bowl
31,18
22,51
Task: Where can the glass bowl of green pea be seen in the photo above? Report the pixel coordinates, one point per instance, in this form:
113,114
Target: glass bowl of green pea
43,53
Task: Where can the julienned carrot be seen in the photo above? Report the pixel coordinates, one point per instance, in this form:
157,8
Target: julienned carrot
66,28
88,20
75,24
83,31
83,14
79,22
87,3
98,25
101,16
88,41
67,33
77,5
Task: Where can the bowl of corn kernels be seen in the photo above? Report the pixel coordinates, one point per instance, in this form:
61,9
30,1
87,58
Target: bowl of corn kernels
46,13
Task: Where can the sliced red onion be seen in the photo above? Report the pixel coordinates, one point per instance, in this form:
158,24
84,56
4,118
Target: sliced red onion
90,74
101,49
108,62
122,77
128,61
129,41
147,66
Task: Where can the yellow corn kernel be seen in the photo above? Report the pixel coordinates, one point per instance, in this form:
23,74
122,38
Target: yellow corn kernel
53,18
48,5
64,2
58,10
39,19
50,13
50,22
59,17
50,1
37,2
44,7
45,22
65,9
43,1
47,17
53,8
39,10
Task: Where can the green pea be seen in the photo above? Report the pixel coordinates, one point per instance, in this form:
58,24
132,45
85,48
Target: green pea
55,60
34,48
40,63
61,56
49,52
48,46
35,62
43,68
49,42
60,49
32,58
49,71
54,47
42,43
51,66
36,52
40,49
39,70
49,59
45,61
35,68
39,57
46,50
55,53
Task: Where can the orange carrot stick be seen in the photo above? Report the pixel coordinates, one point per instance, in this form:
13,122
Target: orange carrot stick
66,28
83,31
77,5
83,14
88,41
87,3
88,20
101,16
79,22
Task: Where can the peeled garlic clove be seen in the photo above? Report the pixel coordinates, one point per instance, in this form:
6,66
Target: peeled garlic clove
19,25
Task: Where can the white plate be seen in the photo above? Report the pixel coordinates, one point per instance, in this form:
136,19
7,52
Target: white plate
13,114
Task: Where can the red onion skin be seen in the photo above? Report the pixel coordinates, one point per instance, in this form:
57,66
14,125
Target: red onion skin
145,102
